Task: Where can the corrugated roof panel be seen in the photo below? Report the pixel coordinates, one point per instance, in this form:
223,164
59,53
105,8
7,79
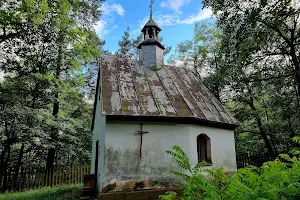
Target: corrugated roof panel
210,97
160,96
129,101
110,87
226,117
184,92
144,93
207,97
178,102
194,92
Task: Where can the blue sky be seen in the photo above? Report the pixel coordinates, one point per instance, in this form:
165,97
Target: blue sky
175,17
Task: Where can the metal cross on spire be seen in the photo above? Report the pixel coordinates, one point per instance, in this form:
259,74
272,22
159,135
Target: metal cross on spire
152,1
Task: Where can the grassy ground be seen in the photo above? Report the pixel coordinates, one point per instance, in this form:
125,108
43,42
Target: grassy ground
55,193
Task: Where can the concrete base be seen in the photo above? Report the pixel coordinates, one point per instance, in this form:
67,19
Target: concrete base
138,195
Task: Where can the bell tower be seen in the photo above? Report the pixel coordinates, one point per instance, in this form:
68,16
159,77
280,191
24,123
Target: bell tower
151,50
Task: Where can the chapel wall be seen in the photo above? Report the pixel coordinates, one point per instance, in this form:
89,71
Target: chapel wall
222,146
122,150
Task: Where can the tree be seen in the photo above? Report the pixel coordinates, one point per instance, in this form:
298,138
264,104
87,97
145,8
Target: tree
261,30
135,44
260,49
245,66
48,45
125,50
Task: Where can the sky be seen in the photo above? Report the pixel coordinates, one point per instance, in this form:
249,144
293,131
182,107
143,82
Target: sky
175,17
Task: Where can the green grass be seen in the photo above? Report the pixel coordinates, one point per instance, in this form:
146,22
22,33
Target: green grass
55,193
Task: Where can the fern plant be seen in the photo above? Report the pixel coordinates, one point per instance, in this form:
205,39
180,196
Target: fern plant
180,159
198,186
275,180
296,152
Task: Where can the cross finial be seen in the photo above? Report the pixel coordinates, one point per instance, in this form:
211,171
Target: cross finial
152,1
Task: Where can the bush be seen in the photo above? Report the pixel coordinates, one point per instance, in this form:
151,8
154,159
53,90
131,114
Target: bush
275,180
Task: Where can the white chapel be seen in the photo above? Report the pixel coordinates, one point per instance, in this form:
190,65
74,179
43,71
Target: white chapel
143,108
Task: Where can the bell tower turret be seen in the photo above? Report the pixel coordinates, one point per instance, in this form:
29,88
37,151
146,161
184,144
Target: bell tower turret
151,50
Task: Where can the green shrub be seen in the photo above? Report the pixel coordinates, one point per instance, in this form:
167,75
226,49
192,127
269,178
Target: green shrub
275,180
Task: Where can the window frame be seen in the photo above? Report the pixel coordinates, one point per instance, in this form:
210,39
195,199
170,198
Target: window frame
207,142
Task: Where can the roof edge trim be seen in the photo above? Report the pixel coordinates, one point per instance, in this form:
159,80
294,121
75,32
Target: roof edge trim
167,119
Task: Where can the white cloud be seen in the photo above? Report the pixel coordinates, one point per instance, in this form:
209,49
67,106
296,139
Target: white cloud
100,28
203,14
174,4
167,20
109,9
173,19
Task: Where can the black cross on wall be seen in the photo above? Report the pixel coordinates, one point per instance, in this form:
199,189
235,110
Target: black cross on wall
142,132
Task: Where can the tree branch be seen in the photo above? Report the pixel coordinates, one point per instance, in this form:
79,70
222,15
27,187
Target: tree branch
277,30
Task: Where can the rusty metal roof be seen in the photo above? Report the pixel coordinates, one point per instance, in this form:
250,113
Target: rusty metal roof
129,89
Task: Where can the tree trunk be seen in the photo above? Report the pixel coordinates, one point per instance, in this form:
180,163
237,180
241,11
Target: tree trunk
263,133
296,62
54,131
2,156
5,169
18,165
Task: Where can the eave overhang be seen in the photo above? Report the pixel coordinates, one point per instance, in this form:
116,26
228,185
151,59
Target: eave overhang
167,119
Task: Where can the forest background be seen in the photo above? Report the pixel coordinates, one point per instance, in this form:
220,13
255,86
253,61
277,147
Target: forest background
249,57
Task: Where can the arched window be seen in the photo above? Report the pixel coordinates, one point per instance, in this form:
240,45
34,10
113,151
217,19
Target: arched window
203,148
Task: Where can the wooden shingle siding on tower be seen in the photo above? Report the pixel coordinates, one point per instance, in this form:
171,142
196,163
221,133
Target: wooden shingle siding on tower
131,89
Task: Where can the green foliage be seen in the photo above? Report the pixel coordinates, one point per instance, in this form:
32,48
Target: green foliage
125,44
296,151
259,51
55,193
168,196
181,160
274,180
43,101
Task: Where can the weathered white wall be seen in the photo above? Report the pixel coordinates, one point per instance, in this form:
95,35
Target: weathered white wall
152,56
222,146
98,134
122,143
